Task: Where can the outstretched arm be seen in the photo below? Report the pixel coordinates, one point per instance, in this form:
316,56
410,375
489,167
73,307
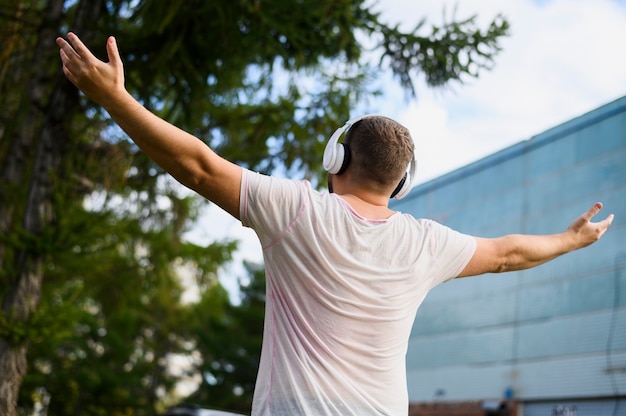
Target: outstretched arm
184,156
518,252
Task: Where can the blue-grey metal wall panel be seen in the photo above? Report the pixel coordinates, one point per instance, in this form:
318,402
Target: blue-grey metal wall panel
559,377
475,337
576,408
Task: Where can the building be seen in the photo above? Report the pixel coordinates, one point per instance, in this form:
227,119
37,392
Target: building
551,339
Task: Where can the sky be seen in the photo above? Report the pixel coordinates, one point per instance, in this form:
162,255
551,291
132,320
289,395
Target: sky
563,58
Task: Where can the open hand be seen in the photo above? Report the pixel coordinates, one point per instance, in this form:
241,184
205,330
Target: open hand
586,232
99,80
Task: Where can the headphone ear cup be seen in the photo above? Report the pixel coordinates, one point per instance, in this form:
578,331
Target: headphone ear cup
334,157
337,155
405,185
401,185
345,160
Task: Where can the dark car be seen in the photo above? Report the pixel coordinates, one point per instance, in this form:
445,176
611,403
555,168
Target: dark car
194,410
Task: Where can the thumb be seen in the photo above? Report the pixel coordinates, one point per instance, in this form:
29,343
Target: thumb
113,53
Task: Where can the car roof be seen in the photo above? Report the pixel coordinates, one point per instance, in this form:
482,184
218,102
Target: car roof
197,411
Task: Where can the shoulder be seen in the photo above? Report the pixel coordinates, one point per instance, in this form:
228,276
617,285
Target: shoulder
252,181
272,199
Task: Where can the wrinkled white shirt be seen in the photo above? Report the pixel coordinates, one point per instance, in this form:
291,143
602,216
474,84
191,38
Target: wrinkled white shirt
342,294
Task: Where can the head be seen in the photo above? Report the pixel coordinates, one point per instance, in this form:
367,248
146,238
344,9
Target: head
378,150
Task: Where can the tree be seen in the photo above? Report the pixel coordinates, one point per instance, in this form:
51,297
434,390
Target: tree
229,345
81,210
112,299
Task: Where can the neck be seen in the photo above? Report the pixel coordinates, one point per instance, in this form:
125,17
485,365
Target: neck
366,203
368,206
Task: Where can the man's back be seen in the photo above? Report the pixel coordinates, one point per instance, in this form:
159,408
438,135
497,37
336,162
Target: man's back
342,293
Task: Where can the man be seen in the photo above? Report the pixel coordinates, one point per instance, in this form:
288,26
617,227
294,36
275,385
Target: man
345,274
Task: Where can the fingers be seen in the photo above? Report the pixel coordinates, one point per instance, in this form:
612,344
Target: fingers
606,223
74,52
98,80
584,220
67,49
592,211
76,49
595,208
66,52
600,226
79,47
61,43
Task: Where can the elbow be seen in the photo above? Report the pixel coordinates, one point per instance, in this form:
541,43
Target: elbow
512,262
497,255
506,260
507,256
191,174
502,266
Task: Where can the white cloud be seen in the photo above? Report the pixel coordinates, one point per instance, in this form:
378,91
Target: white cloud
563,58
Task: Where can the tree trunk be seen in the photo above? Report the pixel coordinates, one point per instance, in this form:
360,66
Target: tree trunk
34,153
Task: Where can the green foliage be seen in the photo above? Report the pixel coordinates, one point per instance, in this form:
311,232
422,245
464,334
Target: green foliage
228,339
451,51
263,83
114,315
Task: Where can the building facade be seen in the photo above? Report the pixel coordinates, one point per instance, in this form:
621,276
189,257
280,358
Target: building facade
552,338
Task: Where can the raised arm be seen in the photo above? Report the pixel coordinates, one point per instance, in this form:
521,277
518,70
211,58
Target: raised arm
184,156
518,252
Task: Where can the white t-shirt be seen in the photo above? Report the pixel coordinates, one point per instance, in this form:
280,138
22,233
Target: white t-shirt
342,294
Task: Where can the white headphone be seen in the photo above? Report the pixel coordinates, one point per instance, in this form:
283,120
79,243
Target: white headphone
337,158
